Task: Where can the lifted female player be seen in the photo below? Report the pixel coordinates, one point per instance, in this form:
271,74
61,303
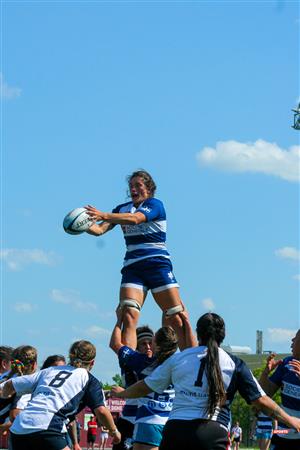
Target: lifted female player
147,262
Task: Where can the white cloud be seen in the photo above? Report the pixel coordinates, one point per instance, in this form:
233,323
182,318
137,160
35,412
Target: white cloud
288,253
8,92
208,304
259,156
95,331
72,298
280,335
24,307
296,277
17,259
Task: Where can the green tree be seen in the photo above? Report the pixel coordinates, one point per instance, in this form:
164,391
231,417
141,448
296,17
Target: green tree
117,379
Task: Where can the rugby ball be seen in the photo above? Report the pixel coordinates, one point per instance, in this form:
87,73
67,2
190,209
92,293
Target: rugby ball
77,221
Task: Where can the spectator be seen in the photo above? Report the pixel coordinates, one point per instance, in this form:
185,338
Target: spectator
236,435
92,432
103,438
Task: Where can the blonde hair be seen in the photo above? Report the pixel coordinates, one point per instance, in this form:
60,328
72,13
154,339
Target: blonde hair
82,354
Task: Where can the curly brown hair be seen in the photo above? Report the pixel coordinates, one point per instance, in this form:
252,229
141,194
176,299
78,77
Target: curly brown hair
82,354
147,179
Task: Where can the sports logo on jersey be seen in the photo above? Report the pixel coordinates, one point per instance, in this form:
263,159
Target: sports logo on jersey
170,275
146,209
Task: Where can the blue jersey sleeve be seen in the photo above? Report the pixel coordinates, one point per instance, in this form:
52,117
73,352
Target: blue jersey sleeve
93,396
132,359
153,209
245,382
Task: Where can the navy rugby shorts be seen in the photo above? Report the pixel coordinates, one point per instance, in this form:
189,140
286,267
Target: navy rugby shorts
41,440
154,273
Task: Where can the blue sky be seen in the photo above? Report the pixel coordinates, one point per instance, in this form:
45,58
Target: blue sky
197,93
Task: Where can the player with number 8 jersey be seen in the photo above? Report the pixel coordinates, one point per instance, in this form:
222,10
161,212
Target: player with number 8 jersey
58,393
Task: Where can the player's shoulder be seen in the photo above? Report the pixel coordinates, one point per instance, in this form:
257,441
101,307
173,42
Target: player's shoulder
93,380
153,201
232,361
287,360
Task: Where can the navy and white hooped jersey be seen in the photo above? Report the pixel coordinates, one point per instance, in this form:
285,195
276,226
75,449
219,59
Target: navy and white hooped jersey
264,423
57,393
148,239
289,383
129,411
186,371
155,407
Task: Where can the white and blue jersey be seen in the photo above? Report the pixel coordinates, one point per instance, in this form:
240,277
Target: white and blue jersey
264,424
289,383
154,408
186,371
57,394
148,239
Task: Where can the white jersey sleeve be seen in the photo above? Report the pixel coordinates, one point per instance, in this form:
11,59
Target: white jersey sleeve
161,377
26,383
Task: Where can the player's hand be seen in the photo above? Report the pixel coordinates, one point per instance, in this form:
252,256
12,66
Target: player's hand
94,213
116,390
271,363
295,366
117,437
295,423
119,313
184,316
76,447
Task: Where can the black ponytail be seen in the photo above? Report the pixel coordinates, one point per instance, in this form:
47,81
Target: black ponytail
211,332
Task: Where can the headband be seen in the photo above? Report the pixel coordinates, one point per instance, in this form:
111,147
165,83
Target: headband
145,335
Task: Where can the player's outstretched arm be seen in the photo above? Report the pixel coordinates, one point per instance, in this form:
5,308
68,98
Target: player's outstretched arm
98,229
189,337
115,218
136,390
116,336
268,386
269,407
104,417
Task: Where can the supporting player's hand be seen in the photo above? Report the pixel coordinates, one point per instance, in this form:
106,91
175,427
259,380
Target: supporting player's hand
76,447
116,390
119,314
184,316
295,366
117,437
94,213
271,363
295,423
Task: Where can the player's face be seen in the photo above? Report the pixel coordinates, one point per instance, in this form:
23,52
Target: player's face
296,345
138,190
145,347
